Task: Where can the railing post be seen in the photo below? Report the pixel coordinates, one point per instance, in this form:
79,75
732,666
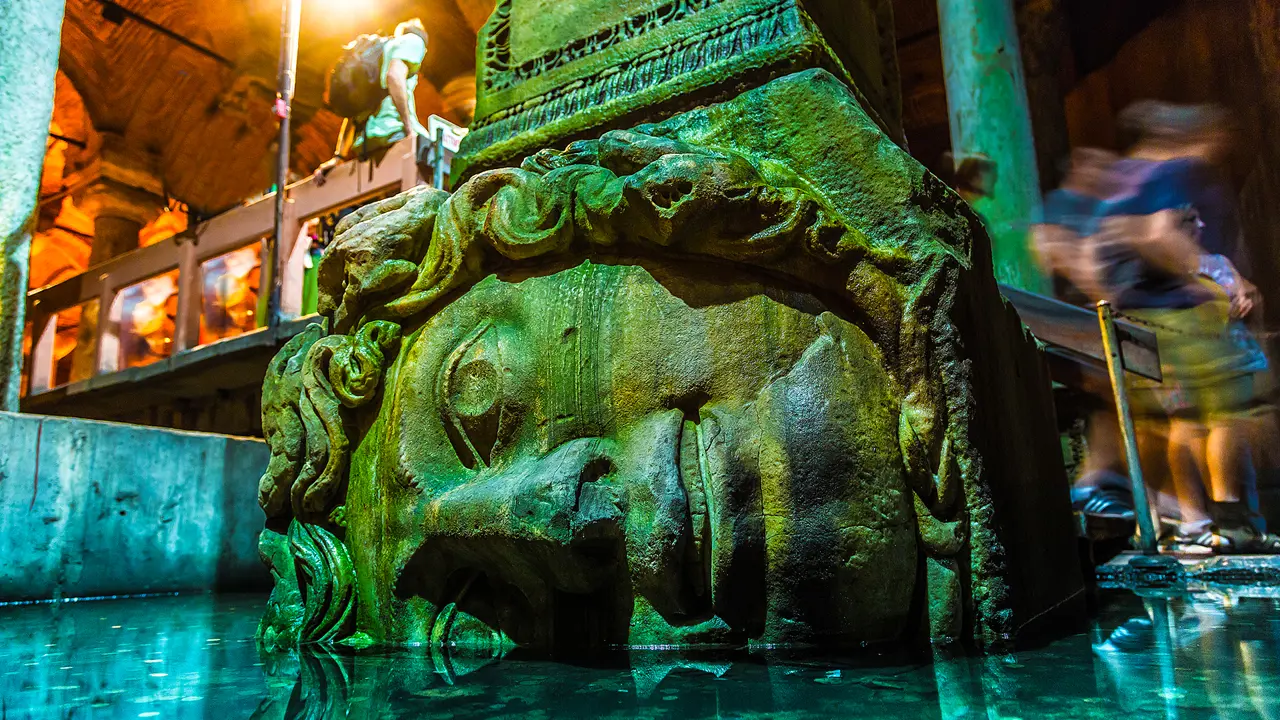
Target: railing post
287,287
108,345
186,334
44,333
410,177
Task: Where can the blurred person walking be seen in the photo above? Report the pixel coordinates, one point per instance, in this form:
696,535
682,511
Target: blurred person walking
1167,246
1061,240
1070,216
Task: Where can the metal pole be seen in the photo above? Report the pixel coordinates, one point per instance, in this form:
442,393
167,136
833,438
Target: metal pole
1115,367
292,15
437,165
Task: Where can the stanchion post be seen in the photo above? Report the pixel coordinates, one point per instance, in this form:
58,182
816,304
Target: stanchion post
1115,368
437,165
288,71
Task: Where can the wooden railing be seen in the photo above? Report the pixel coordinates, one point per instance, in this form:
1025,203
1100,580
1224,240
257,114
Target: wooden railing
1069,331
96,295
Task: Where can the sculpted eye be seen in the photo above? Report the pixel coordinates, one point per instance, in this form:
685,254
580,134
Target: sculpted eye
470,392
473,390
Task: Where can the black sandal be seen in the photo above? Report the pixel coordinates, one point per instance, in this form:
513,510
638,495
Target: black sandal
1107,503
1258,543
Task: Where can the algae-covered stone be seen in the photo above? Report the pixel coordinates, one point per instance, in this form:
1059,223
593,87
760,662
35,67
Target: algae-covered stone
731,378
551,71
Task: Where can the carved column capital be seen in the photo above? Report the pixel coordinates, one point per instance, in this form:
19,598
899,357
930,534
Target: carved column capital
127,183
125,194
111,198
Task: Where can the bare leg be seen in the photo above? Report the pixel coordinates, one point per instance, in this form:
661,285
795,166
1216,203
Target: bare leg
1153,453
1187,465
1228,460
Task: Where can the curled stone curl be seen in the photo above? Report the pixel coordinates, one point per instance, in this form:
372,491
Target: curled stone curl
326,579
305,391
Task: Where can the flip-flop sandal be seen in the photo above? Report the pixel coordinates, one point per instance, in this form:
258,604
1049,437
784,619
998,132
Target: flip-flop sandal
1208,542
1107,504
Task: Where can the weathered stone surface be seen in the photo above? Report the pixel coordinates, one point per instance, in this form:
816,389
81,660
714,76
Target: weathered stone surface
29,34
733,377
91,508
545,77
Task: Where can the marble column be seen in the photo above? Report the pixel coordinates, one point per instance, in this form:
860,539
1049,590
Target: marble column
987,101
30,38
126,195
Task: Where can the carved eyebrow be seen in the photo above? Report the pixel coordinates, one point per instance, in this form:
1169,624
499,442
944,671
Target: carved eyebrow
442,388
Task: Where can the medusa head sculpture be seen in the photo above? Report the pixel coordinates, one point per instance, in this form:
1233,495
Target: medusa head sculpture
640,391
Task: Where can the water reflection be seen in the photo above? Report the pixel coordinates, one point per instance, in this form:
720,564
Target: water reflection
1203,652
153,657
1199,656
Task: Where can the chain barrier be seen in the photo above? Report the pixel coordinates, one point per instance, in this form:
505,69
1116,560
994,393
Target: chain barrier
1234,330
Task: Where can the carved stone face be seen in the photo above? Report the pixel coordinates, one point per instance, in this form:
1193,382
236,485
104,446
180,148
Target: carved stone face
574,457
723,387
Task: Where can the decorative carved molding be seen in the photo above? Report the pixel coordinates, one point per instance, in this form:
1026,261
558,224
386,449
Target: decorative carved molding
503,73
713,45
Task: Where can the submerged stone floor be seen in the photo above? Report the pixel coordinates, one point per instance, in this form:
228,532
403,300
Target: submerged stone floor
1203,655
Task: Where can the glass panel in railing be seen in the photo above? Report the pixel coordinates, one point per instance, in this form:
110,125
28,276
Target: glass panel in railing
75,339
230,298
147,312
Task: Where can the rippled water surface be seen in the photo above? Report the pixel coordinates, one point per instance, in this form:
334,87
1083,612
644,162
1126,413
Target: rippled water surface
1201,656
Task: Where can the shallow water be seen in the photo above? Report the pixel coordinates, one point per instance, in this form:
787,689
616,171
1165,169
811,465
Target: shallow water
1198,656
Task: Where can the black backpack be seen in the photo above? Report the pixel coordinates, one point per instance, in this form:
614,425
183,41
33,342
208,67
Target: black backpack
354,86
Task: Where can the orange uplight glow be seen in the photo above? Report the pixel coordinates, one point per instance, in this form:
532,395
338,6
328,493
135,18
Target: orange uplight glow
169,223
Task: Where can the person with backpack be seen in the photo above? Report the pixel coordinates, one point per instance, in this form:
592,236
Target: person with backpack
371,86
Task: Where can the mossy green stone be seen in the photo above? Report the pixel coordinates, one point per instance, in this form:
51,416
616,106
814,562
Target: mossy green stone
733,378
552,72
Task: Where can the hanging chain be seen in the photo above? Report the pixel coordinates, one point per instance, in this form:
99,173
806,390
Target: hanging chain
1233,330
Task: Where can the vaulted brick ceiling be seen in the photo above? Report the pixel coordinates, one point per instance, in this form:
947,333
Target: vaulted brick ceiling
210,123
